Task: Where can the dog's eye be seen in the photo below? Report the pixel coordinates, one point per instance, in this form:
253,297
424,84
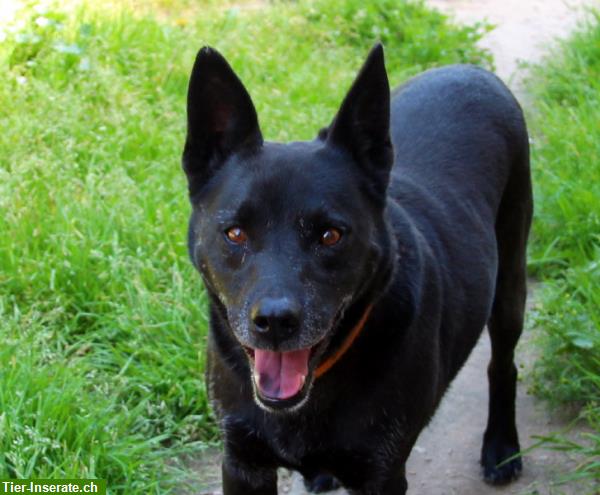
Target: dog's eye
236,235
331,237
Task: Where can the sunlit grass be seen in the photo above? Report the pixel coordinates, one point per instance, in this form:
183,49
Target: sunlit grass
565,251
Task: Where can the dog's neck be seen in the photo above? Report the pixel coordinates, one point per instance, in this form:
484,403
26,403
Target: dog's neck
346,344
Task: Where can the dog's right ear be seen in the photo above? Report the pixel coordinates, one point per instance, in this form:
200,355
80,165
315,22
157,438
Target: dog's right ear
221,119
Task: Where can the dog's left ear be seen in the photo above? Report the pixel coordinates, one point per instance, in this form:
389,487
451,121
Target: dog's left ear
362,125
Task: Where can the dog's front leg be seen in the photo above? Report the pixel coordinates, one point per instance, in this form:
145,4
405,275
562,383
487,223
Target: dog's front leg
394,484
242,479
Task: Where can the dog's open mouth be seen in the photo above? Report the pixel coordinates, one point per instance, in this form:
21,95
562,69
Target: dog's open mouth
281,378
280,375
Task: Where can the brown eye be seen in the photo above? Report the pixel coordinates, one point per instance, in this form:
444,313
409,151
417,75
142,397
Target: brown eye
331,237
236,235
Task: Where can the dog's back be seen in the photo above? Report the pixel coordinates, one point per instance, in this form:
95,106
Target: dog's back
457,131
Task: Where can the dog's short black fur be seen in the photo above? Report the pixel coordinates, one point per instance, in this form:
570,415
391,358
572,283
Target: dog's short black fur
417,208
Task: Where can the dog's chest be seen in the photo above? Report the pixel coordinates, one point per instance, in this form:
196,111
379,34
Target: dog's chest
295,440
330,444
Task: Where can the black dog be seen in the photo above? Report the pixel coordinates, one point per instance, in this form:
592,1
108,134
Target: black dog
349,277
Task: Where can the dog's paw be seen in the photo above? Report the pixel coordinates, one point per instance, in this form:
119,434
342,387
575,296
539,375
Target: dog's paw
321,483
496,471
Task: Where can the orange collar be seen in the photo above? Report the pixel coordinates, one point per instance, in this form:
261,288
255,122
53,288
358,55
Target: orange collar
326,365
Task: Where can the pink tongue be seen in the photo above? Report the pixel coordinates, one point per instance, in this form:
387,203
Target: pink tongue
280,375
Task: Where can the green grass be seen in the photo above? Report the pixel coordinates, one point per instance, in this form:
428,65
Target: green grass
102,319
566,242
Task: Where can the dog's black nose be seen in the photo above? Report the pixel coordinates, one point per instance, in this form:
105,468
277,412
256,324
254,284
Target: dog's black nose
277,315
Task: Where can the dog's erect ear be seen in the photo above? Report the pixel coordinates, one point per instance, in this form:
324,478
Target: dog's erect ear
362,125
220,115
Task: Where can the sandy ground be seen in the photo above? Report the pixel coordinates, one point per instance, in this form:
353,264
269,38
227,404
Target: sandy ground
445,460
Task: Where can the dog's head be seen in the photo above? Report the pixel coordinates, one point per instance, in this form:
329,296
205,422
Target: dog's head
287,237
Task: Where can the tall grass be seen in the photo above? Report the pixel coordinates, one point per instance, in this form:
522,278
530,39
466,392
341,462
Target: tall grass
566,248
102,320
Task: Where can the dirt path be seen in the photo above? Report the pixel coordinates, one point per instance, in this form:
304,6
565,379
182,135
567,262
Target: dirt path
445,460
